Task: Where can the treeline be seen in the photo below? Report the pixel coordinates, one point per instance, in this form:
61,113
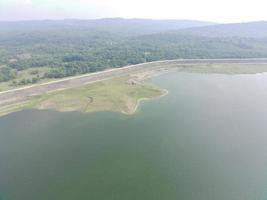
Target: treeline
25,81
7,74
82,51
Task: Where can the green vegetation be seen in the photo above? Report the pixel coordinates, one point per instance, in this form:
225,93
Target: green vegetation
67,48
24,77
226,68
7,74
118,95
246,30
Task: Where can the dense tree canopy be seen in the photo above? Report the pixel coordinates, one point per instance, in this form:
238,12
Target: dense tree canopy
70,51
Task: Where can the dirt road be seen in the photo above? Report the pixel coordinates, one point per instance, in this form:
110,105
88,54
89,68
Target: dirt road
23,93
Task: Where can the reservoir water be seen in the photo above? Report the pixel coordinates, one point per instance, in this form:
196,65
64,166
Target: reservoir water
205,140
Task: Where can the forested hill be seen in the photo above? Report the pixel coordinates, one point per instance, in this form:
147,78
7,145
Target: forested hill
69,47
240,40
251,29
124,27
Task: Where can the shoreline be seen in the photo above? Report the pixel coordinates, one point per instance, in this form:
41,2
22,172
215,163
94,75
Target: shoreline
139,102
114,95
125,97
68,82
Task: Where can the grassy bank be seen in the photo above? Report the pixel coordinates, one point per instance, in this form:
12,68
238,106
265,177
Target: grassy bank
117,95
26,77
226,68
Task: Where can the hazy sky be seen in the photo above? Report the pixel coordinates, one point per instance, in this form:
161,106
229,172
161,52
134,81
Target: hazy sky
209,10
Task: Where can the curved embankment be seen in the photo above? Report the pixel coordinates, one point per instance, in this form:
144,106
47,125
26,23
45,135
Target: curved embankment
23,93
121,94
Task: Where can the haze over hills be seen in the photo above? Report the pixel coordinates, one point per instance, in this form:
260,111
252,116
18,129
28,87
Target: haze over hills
135,27
70,47
246,40
111,25
250,29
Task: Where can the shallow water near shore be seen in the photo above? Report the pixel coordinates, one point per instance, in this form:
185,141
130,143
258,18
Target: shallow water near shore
205,140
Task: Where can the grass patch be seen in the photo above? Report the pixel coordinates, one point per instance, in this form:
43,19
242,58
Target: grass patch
5,86
117,95
26,74
32,72
226,68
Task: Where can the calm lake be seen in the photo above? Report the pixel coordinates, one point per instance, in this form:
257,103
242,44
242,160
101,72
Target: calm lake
205,140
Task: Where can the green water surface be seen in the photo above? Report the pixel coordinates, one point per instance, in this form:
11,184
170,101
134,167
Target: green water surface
205,140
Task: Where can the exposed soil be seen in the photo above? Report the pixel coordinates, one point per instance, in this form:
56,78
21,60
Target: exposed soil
142,71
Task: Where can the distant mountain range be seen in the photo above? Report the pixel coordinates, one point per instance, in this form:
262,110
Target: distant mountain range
250,29
136,27
70,47
111,25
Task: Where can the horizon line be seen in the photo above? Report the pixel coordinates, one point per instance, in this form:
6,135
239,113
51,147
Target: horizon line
125,18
